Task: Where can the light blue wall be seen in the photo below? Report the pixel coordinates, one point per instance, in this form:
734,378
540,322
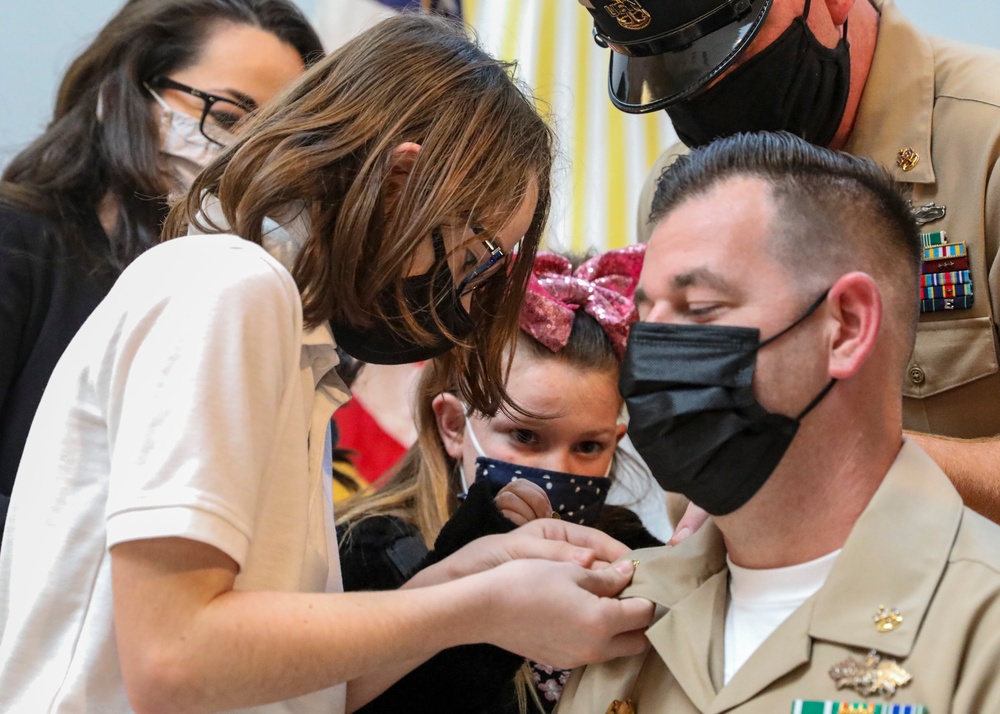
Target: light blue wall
973,21
38,40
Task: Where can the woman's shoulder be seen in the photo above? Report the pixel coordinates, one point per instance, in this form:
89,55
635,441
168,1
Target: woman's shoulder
25,230
213,270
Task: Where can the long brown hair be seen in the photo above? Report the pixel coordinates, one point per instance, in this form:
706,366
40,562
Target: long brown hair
327,144
103,139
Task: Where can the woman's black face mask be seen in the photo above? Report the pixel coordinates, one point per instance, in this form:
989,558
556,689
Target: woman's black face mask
693,416
386,343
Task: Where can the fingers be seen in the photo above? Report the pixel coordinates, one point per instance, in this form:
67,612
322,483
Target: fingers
608,582
518,519
523,501
568,616
526,545
627,644
603,546
534,495
693,519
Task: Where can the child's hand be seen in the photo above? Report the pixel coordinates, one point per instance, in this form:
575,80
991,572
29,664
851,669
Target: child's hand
522,501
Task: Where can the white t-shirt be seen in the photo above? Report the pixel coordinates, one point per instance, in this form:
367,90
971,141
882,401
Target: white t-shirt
760,600
192,403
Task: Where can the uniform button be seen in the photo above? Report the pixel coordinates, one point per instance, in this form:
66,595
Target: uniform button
917,375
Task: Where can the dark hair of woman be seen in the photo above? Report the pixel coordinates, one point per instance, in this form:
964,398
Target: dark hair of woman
102,143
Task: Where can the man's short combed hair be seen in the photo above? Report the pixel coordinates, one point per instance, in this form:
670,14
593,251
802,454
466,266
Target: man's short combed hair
834,212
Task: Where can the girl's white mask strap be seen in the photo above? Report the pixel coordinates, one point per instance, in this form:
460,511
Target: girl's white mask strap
464,481
472,436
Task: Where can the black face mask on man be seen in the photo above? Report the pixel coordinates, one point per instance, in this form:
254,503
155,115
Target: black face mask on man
693,416
795,84
386,343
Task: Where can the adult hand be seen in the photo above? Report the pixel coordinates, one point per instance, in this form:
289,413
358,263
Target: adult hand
565,615
522,501
541,539
693,519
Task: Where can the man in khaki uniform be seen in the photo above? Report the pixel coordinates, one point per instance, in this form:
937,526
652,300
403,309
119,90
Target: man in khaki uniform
840,572
926,108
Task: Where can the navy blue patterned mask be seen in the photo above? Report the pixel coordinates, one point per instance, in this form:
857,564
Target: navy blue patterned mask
574,498
577,499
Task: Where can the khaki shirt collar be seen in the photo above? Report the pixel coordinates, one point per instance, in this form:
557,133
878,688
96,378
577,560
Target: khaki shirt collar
897,103
895,556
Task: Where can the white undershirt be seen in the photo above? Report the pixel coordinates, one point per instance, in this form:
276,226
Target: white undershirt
760,600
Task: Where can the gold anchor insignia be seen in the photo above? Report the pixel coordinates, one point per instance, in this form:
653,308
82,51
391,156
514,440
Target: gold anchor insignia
635,564
629,13
907,159
870,677
887,620
620,707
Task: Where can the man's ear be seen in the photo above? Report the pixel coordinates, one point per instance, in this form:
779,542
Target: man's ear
855,305
450,415
620,433
839,10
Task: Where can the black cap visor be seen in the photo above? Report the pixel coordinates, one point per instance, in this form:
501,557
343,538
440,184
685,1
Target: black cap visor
646,84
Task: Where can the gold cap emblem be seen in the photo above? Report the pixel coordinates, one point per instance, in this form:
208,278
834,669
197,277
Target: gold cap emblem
629,13
907,159
887,620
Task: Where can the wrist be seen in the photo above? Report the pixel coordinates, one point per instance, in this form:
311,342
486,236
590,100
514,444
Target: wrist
466,606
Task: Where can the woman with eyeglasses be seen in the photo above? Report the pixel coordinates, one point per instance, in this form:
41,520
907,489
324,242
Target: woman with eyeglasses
152,99
174,548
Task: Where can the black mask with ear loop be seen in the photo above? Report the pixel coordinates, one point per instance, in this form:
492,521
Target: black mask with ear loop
693,416
795,84
386,342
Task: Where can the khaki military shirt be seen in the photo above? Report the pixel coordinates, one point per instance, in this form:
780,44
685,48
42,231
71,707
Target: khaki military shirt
942,100
915,549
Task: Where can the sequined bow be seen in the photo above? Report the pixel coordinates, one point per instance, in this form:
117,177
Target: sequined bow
603,286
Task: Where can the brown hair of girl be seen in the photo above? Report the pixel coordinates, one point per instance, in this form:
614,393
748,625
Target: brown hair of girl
327,146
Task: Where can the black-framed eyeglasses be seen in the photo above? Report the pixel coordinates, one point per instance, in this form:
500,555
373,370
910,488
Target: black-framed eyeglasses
490,263
216,121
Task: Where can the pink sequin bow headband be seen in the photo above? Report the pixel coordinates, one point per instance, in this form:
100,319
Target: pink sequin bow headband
603,286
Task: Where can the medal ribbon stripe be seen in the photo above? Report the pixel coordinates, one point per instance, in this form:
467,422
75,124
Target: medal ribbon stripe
946,265
951,277
945,281
802,706
929,239
952,250
945,291
961,302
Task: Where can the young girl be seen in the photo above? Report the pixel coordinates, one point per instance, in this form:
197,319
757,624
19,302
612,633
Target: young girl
470,475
